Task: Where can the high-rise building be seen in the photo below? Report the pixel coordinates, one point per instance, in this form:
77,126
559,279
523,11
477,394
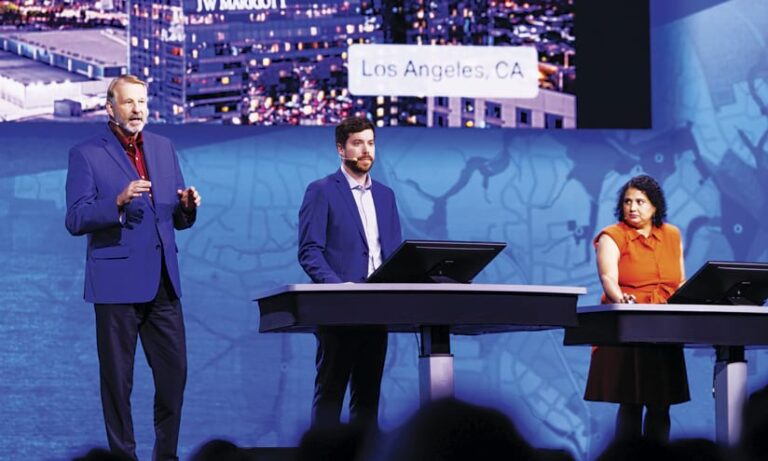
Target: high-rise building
547,25
284,61
249,61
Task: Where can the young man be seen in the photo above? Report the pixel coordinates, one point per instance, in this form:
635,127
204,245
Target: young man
125,192
348,224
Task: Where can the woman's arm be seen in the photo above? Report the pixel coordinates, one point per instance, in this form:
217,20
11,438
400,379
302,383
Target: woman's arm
608,268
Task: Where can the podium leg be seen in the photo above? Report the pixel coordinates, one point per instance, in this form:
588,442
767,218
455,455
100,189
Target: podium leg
435,364
730,392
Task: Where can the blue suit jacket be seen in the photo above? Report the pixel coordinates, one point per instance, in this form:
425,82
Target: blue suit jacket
332,244
123,261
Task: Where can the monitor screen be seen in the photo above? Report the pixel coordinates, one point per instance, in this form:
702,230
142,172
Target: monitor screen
734,283
425,261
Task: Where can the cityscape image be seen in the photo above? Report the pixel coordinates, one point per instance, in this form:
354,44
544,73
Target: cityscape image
271,62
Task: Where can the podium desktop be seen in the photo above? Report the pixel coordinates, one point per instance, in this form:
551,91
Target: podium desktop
434,310
719,306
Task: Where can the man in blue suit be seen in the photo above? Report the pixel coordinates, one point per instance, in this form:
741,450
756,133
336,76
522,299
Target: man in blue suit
125,192
348,224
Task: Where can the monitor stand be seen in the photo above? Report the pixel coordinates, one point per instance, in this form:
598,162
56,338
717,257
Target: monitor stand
437,273
441,279
734,296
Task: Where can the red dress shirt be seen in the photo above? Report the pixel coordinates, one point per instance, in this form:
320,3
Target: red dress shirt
134,148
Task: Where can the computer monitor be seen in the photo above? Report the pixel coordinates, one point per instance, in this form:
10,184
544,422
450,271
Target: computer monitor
428,261
717,282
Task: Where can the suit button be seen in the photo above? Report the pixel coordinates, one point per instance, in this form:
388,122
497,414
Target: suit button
157,247
365,253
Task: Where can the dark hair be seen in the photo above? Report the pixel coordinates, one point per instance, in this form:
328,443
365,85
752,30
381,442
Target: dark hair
754,423
101,454
652,190
350,126
219,450
450,429
340,442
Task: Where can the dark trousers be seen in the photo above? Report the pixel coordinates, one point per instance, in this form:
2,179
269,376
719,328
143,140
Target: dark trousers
160,325
630,423
348,355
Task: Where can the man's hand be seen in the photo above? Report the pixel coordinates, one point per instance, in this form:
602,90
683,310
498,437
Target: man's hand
132,190
189,198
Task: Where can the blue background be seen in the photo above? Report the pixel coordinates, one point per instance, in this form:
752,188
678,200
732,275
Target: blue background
546,193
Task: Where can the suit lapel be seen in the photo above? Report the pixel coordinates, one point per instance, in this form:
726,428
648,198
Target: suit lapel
346,194
381,210
116,152
153,169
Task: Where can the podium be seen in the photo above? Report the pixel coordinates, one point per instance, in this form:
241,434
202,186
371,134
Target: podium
435,311
727,328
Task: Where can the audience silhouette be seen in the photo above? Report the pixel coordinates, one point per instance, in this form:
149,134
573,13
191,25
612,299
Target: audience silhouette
452,430
219,450
101,454
342,442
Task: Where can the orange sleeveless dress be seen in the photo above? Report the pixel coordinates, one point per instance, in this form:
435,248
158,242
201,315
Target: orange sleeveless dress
649,268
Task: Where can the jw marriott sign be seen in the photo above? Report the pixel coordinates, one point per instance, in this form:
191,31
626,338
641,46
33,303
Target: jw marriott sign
206,6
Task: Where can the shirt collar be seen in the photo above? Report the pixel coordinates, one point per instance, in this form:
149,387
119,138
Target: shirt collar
353,184
124,139
655,232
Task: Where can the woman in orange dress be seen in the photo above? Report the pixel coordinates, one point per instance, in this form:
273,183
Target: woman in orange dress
640,260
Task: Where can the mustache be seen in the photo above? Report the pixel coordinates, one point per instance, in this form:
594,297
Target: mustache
355,160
